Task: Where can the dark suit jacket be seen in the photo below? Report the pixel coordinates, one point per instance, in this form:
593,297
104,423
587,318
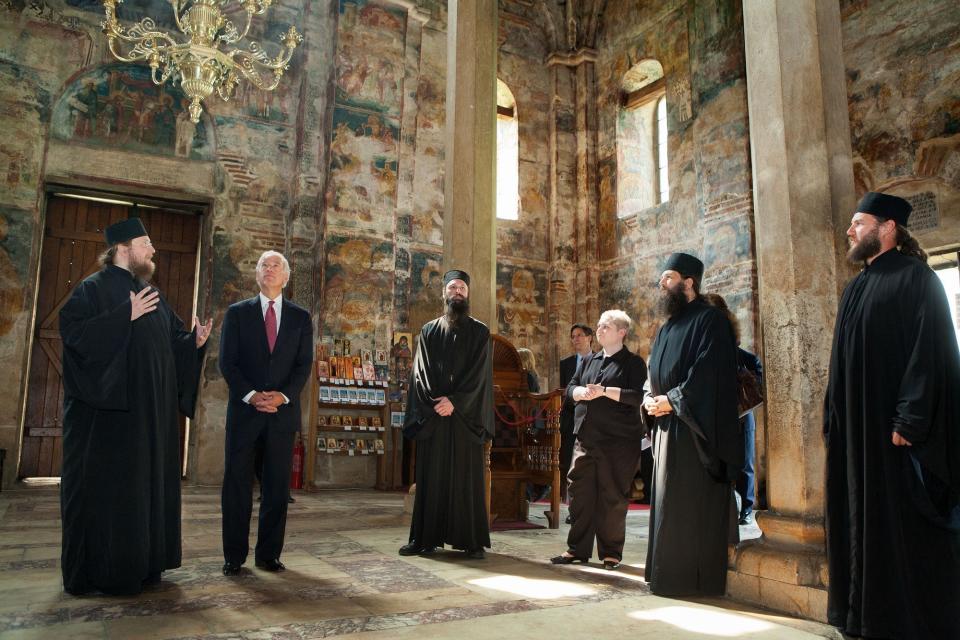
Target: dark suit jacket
603,419
568,367
247,365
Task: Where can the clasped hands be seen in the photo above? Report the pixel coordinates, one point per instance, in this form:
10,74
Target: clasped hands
588,392
657,406
443,406
266,401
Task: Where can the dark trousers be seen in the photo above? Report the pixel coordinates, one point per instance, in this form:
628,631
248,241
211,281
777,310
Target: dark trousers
566,457
237,494
600,479
746,485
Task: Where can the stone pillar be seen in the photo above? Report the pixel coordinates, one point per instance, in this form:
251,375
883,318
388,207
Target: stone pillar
803,186
469,220
575,246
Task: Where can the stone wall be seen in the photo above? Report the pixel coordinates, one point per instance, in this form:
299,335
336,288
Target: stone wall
903,86
710,212
73,115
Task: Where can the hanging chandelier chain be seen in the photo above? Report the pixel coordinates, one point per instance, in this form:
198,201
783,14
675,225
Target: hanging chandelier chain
199,64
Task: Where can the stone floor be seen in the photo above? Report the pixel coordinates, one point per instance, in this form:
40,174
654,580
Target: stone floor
344,578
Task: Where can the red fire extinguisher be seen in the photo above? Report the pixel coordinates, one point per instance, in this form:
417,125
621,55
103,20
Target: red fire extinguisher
296,472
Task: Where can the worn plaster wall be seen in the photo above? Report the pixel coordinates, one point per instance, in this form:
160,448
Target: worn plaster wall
75,115
709,213
903,85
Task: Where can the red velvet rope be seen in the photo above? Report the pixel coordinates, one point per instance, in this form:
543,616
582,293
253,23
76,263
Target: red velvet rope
541,413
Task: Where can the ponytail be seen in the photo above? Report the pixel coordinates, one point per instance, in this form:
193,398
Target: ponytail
908,245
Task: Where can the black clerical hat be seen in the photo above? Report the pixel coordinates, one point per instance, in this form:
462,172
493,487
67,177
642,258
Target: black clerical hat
124,230
886,206
456,274
685,264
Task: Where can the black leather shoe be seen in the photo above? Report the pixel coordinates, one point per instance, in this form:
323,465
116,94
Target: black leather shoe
611,565
569,519
290,499
231,568
414,549
475,554
746,518
270,565
562,559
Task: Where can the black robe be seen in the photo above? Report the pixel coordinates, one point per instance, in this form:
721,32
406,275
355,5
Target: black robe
120,481
450,503
698,452
893,514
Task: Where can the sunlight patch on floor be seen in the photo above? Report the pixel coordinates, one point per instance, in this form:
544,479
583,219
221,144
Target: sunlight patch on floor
536,589
714,623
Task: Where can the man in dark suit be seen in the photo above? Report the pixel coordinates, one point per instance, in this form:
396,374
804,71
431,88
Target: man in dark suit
581,336
266,355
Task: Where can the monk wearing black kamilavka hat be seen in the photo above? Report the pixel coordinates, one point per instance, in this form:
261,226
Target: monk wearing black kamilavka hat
128,366
892,427
698,445
450,415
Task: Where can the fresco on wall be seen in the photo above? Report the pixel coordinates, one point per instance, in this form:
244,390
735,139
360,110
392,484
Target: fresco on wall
520,306
363,168
426,288
428,165
133,11
16,235
119,107
370,47
358,290
728,243
917,157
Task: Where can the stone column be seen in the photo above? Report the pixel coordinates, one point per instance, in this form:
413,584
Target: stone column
469,220
803,186
575,249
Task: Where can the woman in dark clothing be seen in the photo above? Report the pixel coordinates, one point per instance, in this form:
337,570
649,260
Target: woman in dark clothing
746,484
608,390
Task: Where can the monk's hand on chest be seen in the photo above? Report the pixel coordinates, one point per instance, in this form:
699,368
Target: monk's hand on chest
144,302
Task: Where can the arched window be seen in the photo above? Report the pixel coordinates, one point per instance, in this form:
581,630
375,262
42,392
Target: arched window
643,178
663,172
508,155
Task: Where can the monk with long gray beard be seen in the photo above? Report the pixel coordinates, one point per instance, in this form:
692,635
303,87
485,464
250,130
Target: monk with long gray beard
450,415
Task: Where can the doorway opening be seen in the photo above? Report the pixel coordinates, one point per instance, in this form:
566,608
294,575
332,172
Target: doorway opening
946,264
72,241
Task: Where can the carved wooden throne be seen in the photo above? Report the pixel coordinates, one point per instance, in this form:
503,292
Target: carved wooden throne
526,442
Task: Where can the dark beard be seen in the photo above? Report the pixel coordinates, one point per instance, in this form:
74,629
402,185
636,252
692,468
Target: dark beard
455,309
866,248
672,302
143,270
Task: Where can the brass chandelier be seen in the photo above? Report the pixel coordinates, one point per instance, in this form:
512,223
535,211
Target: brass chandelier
200,64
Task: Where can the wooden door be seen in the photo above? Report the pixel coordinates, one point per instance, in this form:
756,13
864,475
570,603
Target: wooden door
72,241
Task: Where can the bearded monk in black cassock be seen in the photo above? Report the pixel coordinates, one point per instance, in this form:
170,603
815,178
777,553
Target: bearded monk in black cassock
698,446
128,365
450,415
891,423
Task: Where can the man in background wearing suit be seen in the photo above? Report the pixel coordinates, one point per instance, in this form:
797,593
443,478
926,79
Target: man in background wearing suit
581,336
266,354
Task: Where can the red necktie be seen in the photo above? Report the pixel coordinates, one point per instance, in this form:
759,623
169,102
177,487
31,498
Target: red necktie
270,321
